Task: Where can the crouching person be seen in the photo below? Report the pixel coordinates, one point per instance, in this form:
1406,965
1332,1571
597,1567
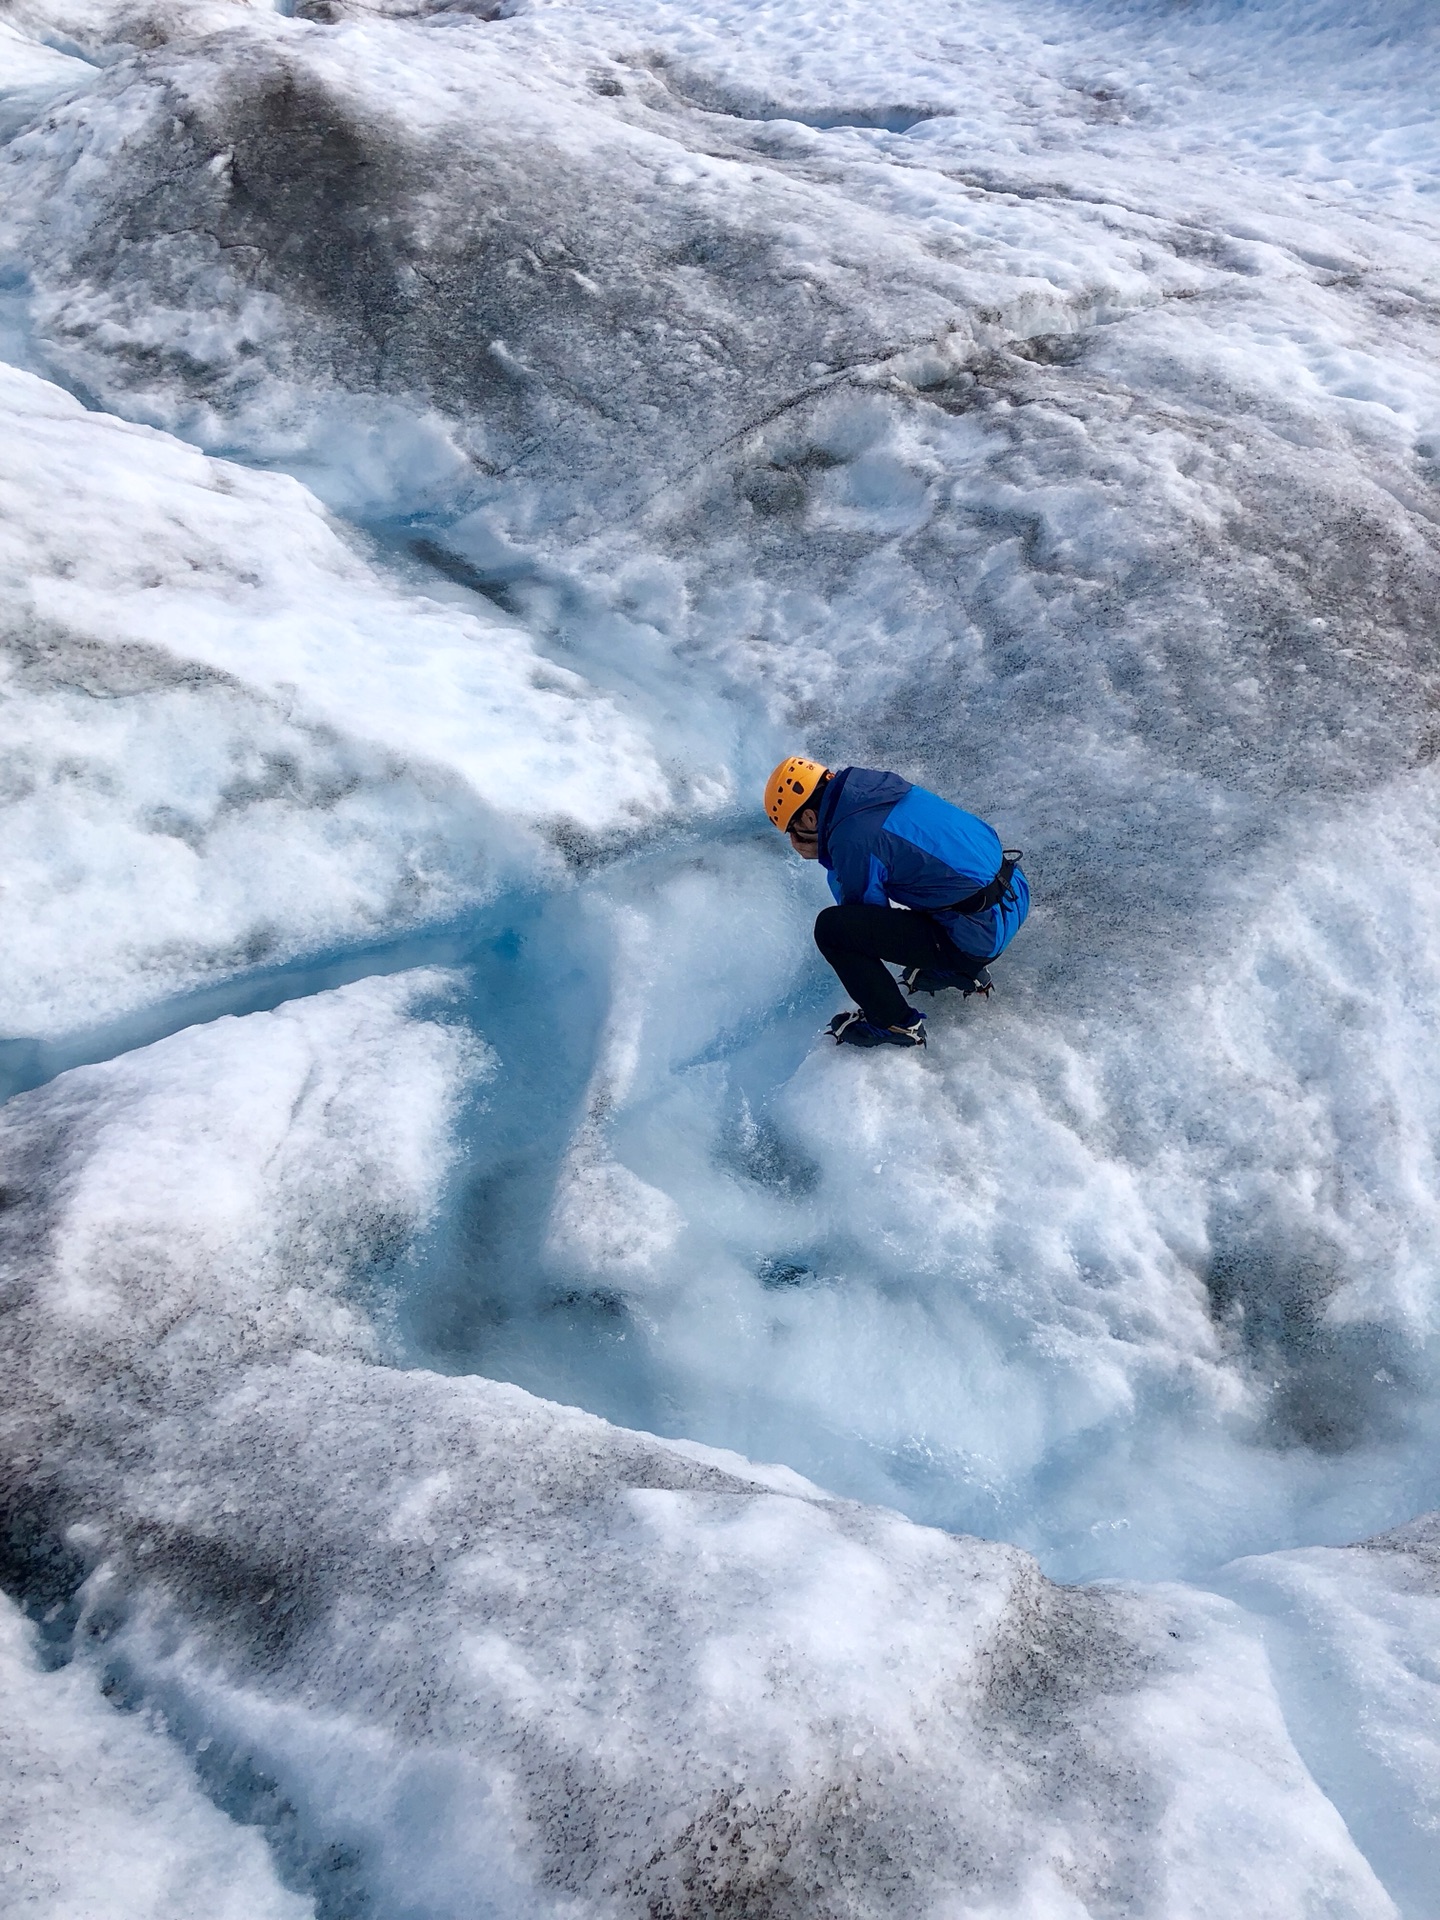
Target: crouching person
886,844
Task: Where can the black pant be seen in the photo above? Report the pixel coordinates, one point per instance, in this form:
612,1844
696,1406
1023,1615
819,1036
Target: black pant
857,939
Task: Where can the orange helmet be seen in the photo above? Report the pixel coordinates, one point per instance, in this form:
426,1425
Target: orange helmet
790,787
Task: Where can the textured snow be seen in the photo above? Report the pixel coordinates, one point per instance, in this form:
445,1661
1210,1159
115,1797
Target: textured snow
491,1649
500,432
102,1818
227,739
34,77
1353,1635
1140,1288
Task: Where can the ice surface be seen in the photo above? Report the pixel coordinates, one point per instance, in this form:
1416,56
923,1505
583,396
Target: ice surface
33,77
229,739
102,1819
1353,1637
1059,495
1039,1283
466,1651
1039,398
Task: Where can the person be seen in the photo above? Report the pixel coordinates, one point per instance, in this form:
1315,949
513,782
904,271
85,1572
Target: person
887,844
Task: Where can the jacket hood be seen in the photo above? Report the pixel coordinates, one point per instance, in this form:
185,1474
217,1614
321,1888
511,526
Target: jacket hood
852,791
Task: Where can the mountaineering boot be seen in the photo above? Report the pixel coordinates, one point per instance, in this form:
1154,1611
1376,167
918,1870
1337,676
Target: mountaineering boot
936,979
852,1029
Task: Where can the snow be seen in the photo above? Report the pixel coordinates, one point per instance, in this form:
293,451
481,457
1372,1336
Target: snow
448,459
228,739
474,1639
33,77
102,1818
1352,1635
1038,1282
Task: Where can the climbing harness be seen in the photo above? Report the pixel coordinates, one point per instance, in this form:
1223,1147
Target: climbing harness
993,893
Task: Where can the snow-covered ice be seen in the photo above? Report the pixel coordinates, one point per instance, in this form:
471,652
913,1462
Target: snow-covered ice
33,77
503,1657
450,452
1354,1635
228,740
102,1819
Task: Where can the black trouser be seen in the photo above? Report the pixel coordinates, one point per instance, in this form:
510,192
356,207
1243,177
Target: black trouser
857,939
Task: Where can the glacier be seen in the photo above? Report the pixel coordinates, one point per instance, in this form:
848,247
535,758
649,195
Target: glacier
102,1815
450,452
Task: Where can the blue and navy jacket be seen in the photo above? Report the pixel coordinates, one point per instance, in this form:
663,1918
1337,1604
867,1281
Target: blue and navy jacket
883,840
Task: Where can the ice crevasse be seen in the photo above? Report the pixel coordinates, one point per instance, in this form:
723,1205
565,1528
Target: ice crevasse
449,452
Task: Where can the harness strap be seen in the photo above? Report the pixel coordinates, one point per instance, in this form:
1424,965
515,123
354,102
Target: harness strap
991,895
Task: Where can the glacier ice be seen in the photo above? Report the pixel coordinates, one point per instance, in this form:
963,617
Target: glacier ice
690,1217
1352,1635
451,451
102,1816
491,1654
33,77
228,740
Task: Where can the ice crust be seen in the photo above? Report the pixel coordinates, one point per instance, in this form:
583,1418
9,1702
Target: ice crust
531,425
34,77
1353,1637
474,1652
1189,1349
102,1819
228,739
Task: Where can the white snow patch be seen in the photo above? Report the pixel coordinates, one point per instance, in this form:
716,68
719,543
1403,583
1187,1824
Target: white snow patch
1039,398
1353,1635
100,1816
482,1642
228,738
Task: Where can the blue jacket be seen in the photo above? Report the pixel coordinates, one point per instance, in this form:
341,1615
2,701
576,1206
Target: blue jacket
883,840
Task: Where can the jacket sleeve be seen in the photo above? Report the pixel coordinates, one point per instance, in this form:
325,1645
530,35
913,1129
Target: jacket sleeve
858,875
